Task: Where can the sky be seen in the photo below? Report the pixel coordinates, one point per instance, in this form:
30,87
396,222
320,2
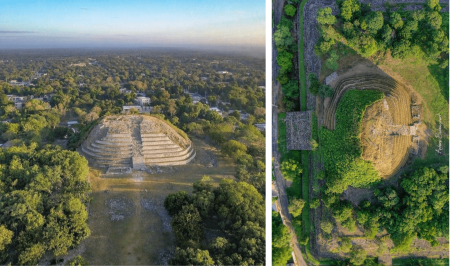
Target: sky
131,23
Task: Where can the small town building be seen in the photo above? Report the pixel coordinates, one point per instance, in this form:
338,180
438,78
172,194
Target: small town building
123,90
261,126
142,100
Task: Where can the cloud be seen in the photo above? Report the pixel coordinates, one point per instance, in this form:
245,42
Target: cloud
15,31
84,8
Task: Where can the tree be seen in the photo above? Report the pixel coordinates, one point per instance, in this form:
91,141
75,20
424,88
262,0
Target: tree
5,239
190,256
386,35
234,149
291,89
346,245
331,62
433,5
367,46
186,224
296,206
350,9
283,38
374,21
281,251
290,169
325,17
396,21
314,83
289,10
326,91
342,211
175,202
358,255
387,197
326,226
314,204
34,105
284,60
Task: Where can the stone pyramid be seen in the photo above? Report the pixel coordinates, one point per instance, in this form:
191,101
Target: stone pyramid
136,141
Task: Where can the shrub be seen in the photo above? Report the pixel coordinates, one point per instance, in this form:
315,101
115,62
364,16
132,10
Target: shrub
290,10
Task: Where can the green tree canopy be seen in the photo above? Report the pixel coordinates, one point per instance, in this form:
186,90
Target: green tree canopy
289,10
44,196
325,17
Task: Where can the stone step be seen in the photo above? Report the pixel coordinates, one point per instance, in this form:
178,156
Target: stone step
159,147
168,159
114,161
121,140
158,151
157,142
101,156
111,148
117,153
180,162
109,143
150,139
118,135
152,135
164,154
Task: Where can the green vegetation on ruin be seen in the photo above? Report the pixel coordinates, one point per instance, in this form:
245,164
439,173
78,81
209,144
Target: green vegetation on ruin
341,149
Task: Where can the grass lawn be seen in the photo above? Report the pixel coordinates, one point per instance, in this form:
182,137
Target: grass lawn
301,61
427,80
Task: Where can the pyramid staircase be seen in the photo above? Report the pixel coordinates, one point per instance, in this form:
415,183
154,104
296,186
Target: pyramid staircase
139,144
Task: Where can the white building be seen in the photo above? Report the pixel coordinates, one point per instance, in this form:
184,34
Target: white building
142,101
14,82
217,110
261,127
19,101
123,90
196,97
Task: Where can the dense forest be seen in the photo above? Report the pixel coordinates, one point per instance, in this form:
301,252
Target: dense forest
43,192
422,34
234,211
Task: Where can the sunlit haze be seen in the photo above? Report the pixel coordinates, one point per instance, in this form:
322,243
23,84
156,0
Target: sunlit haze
133,23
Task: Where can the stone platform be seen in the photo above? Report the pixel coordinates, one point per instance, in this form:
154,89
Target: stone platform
136,142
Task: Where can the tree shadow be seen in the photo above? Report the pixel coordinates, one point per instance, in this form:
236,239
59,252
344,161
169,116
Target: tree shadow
442,77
